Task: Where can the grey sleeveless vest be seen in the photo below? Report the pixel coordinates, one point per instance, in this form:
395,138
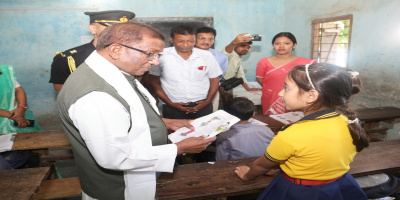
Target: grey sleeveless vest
96,181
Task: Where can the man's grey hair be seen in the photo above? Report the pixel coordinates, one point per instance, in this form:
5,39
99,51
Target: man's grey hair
125,33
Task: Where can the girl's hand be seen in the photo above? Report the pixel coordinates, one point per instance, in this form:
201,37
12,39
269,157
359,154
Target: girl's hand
241,171
272,172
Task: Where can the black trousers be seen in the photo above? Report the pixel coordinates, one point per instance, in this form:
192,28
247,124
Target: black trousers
172,113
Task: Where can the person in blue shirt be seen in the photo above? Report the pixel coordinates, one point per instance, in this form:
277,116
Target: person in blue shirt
205,38
243,139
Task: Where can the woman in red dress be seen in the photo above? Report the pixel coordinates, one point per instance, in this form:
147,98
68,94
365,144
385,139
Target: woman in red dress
271,72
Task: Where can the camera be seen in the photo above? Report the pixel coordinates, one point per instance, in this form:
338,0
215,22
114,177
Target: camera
256,37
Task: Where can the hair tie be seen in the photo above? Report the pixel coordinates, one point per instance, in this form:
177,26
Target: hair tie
353,121
353,74
308,76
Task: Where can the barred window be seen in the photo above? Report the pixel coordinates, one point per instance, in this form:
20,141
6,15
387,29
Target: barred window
331,40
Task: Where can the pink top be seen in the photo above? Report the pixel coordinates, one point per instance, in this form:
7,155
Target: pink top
274,79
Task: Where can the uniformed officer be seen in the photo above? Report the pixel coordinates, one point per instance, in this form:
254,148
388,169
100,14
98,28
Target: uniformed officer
64,63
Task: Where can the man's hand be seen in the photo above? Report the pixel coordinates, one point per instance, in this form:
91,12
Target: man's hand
175,124
241,38
254,89
194,144
200,105
181,107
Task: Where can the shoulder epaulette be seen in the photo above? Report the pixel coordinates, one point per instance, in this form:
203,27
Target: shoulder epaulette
68,55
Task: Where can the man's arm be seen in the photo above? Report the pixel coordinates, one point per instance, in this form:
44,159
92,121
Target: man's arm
155,84
248,88
214,84
59,72
239,39
115,149
57,87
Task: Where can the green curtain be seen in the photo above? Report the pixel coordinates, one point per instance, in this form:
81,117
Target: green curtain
7,99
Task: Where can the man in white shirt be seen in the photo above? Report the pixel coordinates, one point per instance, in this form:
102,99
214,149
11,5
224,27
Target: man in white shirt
118,138
186,79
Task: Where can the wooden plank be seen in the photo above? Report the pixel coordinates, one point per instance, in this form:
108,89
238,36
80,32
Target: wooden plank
22,184
48,156
377,114
60,188
377,158
206,181
40,140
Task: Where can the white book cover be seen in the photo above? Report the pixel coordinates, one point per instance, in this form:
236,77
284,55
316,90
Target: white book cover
289,117
7,141
208,126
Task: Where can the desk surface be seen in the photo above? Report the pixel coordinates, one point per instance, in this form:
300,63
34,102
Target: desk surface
377,114
206,181
22,184
40,140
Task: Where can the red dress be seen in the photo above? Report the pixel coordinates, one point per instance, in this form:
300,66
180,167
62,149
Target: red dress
274,79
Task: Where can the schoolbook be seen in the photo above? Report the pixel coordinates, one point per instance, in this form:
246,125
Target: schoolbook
207,126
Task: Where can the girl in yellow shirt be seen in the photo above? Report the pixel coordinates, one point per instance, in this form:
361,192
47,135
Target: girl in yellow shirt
314,153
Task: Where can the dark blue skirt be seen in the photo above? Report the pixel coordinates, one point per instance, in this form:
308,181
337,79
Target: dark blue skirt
345,188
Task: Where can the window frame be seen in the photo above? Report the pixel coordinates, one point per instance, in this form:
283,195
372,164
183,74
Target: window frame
332,19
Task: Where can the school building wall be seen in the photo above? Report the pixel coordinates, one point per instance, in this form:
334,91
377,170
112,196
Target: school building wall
32,31
375,42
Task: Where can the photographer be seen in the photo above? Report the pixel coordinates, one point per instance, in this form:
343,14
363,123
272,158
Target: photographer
240,46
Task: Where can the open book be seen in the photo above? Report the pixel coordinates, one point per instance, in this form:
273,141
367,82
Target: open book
288,117
209,126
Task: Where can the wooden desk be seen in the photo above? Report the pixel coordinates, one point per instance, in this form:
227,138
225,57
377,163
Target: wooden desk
206,181
22,184
377,114
40,140
273,124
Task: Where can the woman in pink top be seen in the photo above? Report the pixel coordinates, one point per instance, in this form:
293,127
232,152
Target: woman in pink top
271,72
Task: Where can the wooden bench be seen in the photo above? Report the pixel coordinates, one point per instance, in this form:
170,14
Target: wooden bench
377,114
60,188
371,118
208,181
41,141
22,183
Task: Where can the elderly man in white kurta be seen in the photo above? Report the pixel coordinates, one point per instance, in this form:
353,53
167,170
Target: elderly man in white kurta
117,136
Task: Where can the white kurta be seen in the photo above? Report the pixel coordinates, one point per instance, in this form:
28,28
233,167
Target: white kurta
102,122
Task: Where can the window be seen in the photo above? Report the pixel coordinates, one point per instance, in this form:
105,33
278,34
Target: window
331,40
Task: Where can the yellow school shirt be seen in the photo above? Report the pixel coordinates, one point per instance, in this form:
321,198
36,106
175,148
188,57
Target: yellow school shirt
316,149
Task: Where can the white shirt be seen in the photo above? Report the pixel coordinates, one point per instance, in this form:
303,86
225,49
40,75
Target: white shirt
186,80
103,122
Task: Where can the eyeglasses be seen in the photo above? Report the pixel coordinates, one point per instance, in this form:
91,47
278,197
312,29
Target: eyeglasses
208,39
150,56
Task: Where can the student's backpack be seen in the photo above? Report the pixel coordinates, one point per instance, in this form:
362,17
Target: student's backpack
379,185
